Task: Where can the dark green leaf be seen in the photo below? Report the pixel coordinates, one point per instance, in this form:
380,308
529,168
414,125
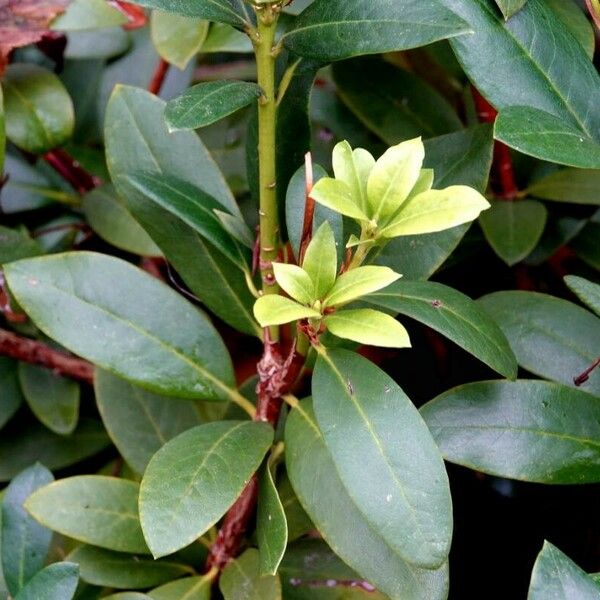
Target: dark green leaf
58,580
576,21
555,575
25,444
140,422
358,406
321,492
188,588
461,158
123,571
176,38
586,245
188,203
53,399
137,138
10,390
513,229
122,319
25,542
234,12
298,522
568,185
510,7
527,430
330,31
181,497
271,525
586,291
16,244
452,314
25,187
546,136
549,74
393,103
110,218
39,111
93,509
207,103
241,580
550,337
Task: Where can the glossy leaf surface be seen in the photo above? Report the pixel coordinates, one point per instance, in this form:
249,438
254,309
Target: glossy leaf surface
586,291
241,580
579,186
188,588
58,580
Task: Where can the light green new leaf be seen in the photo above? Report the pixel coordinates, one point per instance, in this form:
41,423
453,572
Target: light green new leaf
318,485
296,282
277,310
550,337
194,478
586,291
93,509
83,15
579,186
233,12
359,282
140,422
385,456
188,588
510,7
513,229
121,318
337,196
124,571
188,203
320,260
329,31
58,580
25,542
110,218
555,575
393,177
271,525
207,103
11,396
547,137
527,430
177,39
23,445
241,580
38,109
53,399
436,210
353,167
452,314
368,326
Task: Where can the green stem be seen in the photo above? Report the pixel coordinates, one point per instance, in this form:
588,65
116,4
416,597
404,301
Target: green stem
267,115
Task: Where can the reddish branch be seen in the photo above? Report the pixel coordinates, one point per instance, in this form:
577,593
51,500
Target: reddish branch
37,353
71,171
503,166
309,208
583,377
158,77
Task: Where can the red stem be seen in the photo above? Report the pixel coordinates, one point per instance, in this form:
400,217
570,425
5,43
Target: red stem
71,171
37,353
503,165
136,17
309,209
158,77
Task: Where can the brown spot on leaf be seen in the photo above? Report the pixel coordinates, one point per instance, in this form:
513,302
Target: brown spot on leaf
437,304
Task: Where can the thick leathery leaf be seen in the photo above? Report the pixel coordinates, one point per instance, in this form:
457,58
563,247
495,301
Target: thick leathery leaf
358,406
241,580
140,422
510,7
206,103
513,229
124,571
58,580
188,588
271,525
324,497
84,15
93,509
11,396
330,31
555,575
121,319
550,337
527,429
452,314
586,291
576,21
25,542
181,496
53,399
579,186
